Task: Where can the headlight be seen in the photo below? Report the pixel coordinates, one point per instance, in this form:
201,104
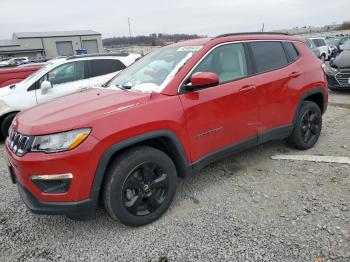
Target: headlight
331,71
61,141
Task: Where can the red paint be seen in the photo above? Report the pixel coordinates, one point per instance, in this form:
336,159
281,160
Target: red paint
201,79
14,75
230,113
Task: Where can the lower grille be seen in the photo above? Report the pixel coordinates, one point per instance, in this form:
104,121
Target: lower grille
343,78
19,144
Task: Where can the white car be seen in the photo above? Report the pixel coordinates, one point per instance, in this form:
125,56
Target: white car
59,77
15,61
323,47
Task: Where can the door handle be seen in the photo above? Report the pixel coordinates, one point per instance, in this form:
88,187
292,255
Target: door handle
82,87
295,74
247,88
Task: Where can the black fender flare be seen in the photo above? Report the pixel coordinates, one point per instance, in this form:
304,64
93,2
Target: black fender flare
180,161
304,97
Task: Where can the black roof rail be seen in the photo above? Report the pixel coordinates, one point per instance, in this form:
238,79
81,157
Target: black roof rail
252,33
97,55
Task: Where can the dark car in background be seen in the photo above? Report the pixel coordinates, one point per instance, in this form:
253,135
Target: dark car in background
338,72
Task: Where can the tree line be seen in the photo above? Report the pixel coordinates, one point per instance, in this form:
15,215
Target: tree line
151,40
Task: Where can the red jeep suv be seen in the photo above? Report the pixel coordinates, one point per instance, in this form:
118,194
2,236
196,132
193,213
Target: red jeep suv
166,116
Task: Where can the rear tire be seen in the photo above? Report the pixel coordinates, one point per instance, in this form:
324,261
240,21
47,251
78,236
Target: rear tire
6,123
139,186
307,127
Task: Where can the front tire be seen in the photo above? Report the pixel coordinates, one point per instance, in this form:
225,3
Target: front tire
6,123
140,186
307,127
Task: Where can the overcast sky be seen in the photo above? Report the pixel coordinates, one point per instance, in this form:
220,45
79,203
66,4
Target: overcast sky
205,17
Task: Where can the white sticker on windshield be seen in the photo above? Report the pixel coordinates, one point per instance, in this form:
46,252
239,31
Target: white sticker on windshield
189,48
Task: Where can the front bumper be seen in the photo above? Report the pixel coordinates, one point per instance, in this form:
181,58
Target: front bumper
82,209
79,201
333,84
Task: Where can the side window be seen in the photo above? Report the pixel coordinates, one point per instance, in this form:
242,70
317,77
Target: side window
65,73
319,42
100,67
322,42
316,42
227,61
268,55
291,51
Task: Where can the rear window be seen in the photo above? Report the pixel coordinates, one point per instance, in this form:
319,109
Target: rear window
100,67
292,53
319,42
268,55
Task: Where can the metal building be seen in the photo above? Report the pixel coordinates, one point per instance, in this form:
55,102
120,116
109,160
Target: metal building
49,45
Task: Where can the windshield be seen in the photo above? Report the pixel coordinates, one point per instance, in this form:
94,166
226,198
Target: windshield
156,70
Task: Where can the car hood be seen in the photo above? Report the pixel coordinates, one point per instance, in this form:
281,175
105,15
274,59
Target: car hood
76,111
342,60
6,90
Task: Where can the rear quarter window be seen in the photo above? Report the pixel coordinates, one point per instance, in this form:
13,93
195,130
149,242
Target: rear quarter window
99,67
268,55
291,51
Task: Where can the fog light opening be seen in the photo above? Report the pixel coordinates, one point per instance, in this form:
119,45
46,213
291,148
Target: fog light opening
53,184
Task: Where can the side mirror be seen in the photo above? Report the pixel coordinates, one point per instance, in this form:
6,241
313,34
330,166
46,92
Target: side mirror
202,80
45,86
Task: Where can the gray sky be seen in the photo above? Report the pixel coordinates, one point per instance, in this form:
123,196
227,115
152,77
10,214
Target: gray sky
206,17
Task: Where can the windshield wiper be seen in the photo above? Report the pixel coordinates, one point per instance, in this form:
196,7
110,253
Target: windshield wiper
124,87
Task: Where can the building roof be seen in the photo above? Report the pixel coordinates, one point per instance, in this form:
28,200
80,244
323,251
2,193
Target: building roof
54,34
8,43
18,49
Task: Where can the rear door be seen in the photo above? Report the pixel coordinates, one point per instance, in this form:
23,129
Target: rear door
277,75
102,70
65,79
224,115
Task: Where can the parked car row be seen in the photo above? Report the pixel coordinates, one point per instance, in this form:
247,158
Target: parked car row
166,116
57,78
13,61
327,48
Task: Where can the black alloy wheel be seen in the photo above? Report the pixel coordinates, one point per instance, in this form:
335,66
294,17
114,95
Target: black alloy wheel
139,186
145,189
310,125
307,126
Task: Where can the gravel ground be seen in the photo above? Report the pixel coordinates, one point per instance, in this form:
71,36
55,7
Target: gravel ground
245,208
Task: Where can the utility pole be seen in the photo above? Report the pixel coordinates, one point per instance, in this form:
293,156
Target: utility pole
129,27
129,24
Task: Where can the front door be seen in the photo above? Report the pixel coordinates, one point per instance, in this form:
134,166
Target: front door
224,115
65,79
